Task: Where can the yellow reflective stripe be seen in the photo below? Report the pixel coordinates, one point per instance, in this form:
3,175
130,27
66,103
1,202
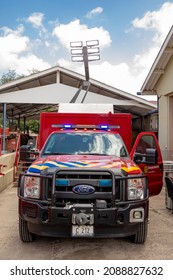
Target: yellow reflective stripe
129,169
39,167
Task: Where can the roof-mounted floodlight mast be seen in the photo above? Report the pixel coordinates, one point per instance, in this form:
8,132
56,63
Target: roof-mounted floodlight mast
80,53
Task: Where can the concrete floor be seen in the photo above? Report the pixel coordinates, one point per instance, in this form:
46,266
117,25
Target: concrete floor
159,244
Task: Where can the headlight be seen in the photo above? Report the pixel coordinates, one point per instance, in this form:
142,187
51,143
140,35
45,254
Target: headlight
136,188
31,187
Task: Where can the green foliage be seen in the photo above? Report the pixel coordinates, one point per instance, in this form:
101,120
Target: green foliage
31,125
11,75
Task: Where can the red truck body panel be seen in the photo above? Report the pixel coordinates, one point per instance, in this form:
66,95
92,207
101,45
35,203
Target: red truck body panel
122,121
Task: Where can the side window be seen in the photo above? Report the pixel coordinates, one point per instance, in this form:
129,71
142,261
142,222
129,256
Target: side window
123,152
50,144
146,141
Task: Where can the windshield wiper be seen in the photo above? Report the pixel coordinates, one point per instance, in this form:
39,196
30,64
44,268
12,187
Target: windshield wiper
51,154
93,154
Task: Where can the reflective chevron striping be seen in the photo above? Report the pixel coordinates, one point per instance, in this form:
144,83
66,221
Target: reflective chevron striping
84,164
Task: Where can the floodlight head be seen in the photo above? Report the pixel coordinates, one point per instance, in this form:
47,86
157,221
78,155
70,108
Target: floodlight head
77,44
93,57
92,43
76,51
89,52
77,58
93,50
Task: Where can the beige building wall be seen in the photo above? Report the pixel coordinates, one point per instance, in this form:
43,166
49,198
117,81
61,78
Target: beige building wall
7,169
165,97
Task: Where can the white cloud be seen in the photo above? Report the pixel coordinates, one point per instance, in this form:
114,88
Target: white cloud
94,12
145,59
127,77
36,19
15,52
12,41
75,31
160,21
29,62
119,75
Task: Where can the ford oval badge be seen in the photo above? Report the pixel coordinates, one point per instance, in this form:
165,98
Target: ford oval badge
83,189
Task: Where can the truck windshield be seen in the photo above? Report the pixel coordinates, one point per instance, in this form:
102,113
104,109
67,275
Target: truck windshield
77,143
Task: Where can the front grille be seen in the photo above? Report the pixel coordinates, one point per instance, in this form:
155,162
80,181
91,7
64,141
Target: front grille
102,181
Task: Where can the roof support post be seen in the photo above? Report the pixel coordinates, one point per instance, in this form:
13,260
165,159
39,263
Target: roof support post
12,116
24,124
18,124
4,125
58,77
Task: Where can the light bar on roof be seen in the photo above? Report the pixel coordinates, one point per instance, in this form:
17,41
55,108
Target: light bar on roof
85,126
89,126
63,125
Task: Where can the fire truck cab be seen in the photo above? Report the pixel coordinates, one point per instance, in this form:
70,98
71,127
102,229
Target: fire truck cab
87,180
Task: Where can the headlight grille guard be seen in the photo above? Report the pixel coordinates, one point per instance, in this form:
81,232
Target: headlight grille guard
52,178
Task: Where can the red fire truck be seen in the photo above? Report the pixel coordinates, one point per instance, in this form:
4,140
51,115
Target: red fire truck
87,180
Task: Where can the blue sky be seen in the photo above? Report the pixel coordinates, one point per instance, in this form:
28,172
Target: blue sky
37,35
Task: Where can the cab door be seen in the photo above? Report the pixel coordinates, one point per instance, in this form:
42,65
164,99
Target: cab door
146,153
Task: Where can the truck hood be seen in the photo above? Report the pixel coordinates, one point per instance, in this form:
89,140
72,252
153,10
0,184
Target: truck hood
84,161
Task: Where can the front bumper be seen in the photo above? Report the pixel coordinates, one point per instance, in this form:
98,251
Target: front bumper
57,222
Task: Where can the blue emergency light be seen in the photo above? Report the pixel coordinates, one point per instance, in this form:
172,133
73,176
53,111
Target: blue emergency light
105,183
67,126
62,182
104,126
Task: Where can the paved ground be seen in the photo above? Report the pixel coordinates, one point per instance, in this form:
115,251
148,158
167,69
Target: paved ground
159,244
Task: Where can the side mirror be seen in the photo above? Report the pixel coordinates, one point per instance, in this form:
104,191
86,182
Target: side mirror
137,158
151,156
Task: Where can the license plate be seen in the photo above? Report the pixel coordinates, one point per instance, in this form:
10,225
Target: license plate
82,231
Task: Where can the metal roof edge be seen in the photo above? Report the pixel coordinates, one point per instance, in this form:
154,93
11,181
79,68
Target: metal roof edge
162,49
77,75
29,77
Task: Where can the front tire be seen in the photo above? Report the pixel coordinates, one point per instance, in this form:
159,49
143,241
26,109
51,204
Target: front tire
24,233
141,235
